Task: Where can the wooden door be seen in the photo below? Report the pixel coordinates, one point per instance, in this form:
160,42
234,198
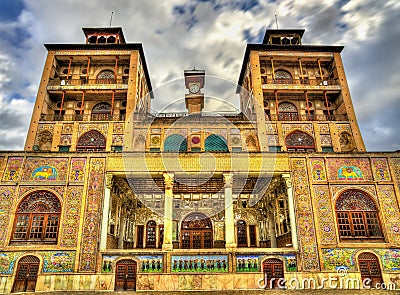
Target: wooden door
252,233
26,277
273,271
370,269
125,275
139,236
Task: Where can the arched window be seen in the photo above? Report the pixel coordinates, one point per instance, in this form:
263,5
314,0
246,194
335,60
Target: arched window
288,112
106,76
91,141
299,141
175,143
151,234
37,218
283,77
101,112
196,232
357,216
242,233
215,143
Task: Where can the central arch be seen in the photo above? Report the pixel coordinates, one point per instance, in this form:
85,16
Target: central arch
196,232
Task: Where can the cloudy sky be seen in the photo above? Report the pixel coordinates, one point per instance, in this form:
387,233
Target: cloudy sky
210,35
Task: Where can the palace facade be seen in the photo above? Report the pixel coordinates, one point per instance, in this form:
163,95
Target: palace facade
108,195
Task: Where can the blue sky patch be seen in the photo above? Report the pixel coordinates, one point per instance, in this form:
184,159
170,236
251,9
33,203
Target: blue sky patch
10,9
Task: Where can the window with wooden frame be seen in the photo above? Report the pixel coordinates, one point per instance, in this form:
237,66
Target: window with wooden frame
242,233
37,218
151,234
357,217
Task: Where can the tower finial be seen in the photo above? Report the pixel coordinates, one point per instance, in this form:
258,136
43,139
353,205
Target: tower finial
112,12
276,20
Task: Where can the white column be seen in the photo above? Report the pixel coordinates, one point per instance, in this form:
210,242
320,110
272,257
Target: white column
292,215
229,217
168,202
106,209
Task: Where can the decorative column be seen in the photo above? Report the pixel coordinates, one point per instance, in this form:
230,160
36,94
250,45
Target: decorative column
271,229
229,217
121,227
168,198
292,215
106,209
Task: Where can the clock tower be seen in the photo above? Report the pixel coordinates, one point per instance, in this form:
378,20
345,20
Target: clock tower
194,82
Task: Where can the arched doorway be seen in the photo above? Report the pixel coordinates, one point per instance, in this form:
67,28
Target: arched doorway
288,112
273,271
125,275
26,277
196,232
101,112
369,268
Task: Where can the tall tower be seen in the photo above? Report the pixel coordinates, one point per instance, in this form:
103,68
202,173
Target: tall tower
302,90
194,82
87,93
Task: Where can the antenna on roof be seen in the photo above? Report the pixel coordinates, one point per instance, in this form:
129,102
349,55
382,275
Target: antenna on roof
112,12
276,20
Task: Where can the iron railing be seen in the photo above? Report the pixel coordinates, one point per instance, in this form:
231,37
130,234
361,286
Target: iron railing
291,116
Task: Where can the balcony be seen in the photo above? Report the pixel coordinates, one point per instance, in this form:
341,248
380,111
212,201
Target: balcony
293,116
77,117
87,84
301,84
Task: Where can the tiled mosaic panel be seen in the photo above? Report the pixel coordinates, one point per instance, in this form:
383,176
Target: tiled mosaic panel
326,140
58,261
91,225
102,128
304,215
146,263
349,169
71,217
13,169
325,215
338,189
77,172
380,169
346,257
199,263
45,169
150,263
6,204
395,166
390,211
253,262
25,190
318,169
287,128
53,261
